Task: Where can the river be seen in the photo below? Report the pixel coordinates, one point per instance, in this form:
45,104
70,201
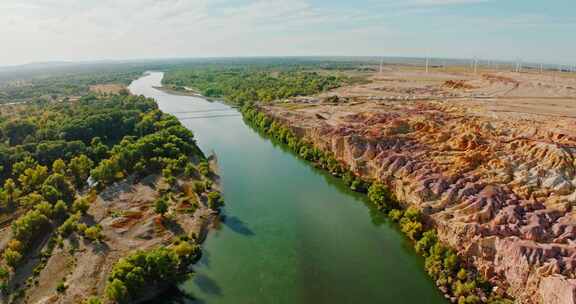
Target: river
291,233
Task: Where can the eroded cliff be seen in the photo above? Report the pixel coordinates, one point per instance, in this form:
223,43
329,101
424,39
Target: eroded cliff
499,188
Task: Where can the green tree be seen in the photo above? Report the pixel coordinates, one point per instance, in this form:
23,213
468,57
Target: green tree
65,191
93,233
60,210
117,291
81,205
33,178
59,166
106,172
12,257
214,200
161,206
79,168
10,194
378,194
18,130
92,300
45,209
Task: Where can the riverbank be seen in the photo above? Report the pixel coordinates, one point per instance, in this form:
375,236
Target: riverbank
459,282
282,232
497,188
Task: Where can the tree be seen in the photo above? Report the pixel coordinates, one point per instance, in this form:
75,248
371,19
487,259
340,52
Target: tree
10,194
81,205
185,249
161,206
33,178
59,166
19,167
60,211
378,194
12,257
106,172
93,233
29,226
69,226
65,191
18,130
92,300
98,149
117,291
79,168
214,200
4,273
45,209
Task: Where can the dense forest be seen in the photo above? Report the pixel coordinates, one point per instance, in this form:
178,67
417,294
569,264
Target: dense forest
263,81
43,88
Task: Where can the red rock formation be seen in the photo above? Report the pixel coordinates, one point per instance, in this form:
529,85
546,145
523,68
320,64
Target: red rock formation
499,191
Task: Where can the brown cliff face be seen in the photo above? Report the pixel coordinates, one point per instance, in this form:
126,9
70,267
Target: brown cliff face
500,191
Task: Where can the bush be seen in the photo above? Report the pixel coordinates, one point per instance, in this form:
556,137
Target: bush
378,194
428,240
69,226
395,215
12,257
61,287
92,300
93,233
143,269
80,205
411,228
116,290
161,206
214,200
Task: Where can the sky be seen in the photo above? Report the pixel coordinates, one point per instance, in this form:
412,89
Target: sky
83,30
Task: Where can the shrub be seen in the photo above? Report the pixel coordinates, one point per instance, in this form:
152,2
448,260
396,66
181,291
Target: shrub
395,214
12,257
93,233
161,206
117,291
214,200
61,287
69,225
378,194
80,205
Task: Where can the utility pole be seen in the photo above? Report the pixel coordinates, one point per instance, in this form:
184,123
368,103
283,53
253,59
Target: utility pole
475,66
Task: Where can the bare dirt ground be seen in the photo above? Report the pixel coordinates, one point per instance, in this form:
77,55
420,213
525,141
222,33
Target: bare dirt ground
107,88
126,214
488,156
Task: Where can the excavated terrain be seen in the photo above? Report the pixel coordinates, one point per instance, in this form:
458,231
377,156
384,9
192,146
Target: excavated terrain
489,157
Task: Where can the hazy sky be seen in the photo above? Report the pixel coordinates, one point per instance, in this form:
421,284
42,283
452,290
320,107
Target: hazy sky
73,30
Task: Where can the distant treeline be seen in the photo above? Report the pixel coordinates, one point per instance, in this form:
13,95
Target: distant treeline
264,81
54,81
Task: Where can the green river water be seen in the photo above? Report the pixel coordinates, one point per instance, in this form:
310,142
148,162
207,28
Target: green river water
291,233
